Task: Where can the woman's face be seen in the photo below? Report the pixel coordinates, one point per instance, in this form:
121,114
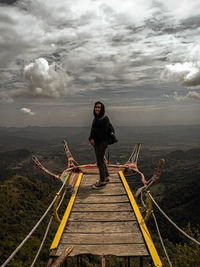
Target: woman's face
97,109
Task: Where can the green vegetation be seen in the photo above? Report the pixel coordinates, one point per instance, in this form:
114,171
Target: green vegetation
23,201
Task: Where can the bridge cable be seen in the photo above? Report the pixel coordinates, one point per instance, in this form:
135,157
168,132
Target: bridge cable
142,201
161,240
157,228
35,227
176,226
44,238
46,232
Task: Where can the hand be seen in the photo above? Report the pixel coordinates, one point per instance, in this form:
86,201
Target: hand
92,142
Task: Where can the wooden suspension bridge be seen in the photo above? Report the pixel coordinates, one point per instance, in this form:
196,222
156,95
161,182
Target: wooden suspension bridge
102,221
107,220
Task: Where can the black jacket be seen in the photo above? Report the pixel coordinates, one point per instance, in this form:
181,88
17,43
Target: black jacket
99,130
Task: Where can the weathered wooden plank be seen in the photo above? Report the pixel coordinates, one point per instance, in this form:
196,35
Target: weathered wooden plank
102,207
111,175
89,176
92,182
114,174
118,250
101,199
102,227
95,170
98,239
91,179
97,175
109,189
102,216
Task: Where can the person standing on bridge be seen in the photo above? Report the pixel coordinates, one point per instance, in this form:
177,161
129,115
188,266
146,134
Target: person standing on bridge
99,140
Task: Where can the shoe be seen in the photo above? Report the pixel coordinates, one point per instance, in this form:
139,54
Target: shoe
100,183
107,179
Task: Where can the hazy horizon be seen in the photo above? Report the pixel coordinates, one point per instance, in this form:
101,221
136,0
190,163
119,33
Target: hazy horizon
88,126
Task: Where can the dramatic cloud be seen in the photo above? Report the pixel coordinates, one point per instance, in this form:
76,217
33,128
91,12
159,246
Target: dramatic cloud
111,50
21,35
44,79
193,95
100,42
189,95
27,111
188,73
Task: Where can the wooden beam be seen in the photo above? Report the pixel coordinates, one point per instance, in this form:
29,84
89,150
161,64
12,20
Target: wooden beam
62,257
141,261
103,261
50,261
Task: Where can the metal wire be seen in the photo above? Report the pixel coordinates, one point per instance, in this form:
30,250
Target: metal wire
46,232
176,226
161,240
43,240
142,201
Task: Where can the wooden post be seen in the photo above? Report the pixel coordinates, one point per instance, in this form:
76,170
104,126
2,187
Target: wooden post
50,261
103,261
141,261
125,262
63,256
78,261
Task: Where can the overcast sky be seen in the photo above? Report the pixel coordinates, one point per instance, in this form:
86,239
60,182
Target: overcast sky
140,58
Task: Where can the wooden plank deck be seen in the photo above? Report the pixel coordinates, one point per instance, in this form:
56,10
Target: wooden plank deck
102,222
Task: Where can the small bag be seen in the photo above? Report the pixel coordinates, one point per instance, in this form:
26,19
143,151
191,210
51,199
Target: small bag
111,135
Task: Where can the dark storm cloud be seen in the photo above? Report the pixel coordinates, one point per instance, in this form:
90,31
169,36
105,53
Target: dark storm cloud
8,2
11,44
82,33
191,23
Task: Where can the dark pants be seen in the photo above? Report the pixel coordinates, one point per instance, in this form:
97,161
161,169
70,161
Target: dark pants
100,150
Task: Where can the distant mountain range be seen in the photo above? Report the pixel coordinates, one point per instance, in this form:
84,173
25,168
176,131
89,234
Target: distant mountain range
37,138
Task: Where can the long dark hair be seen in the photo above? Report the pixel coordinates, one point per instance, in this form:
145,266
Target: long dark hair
102,111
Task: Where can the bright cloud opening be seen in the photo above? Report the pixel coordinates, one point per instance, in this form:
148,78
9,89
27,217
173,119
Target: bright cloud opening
188,73
45,80
27,111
